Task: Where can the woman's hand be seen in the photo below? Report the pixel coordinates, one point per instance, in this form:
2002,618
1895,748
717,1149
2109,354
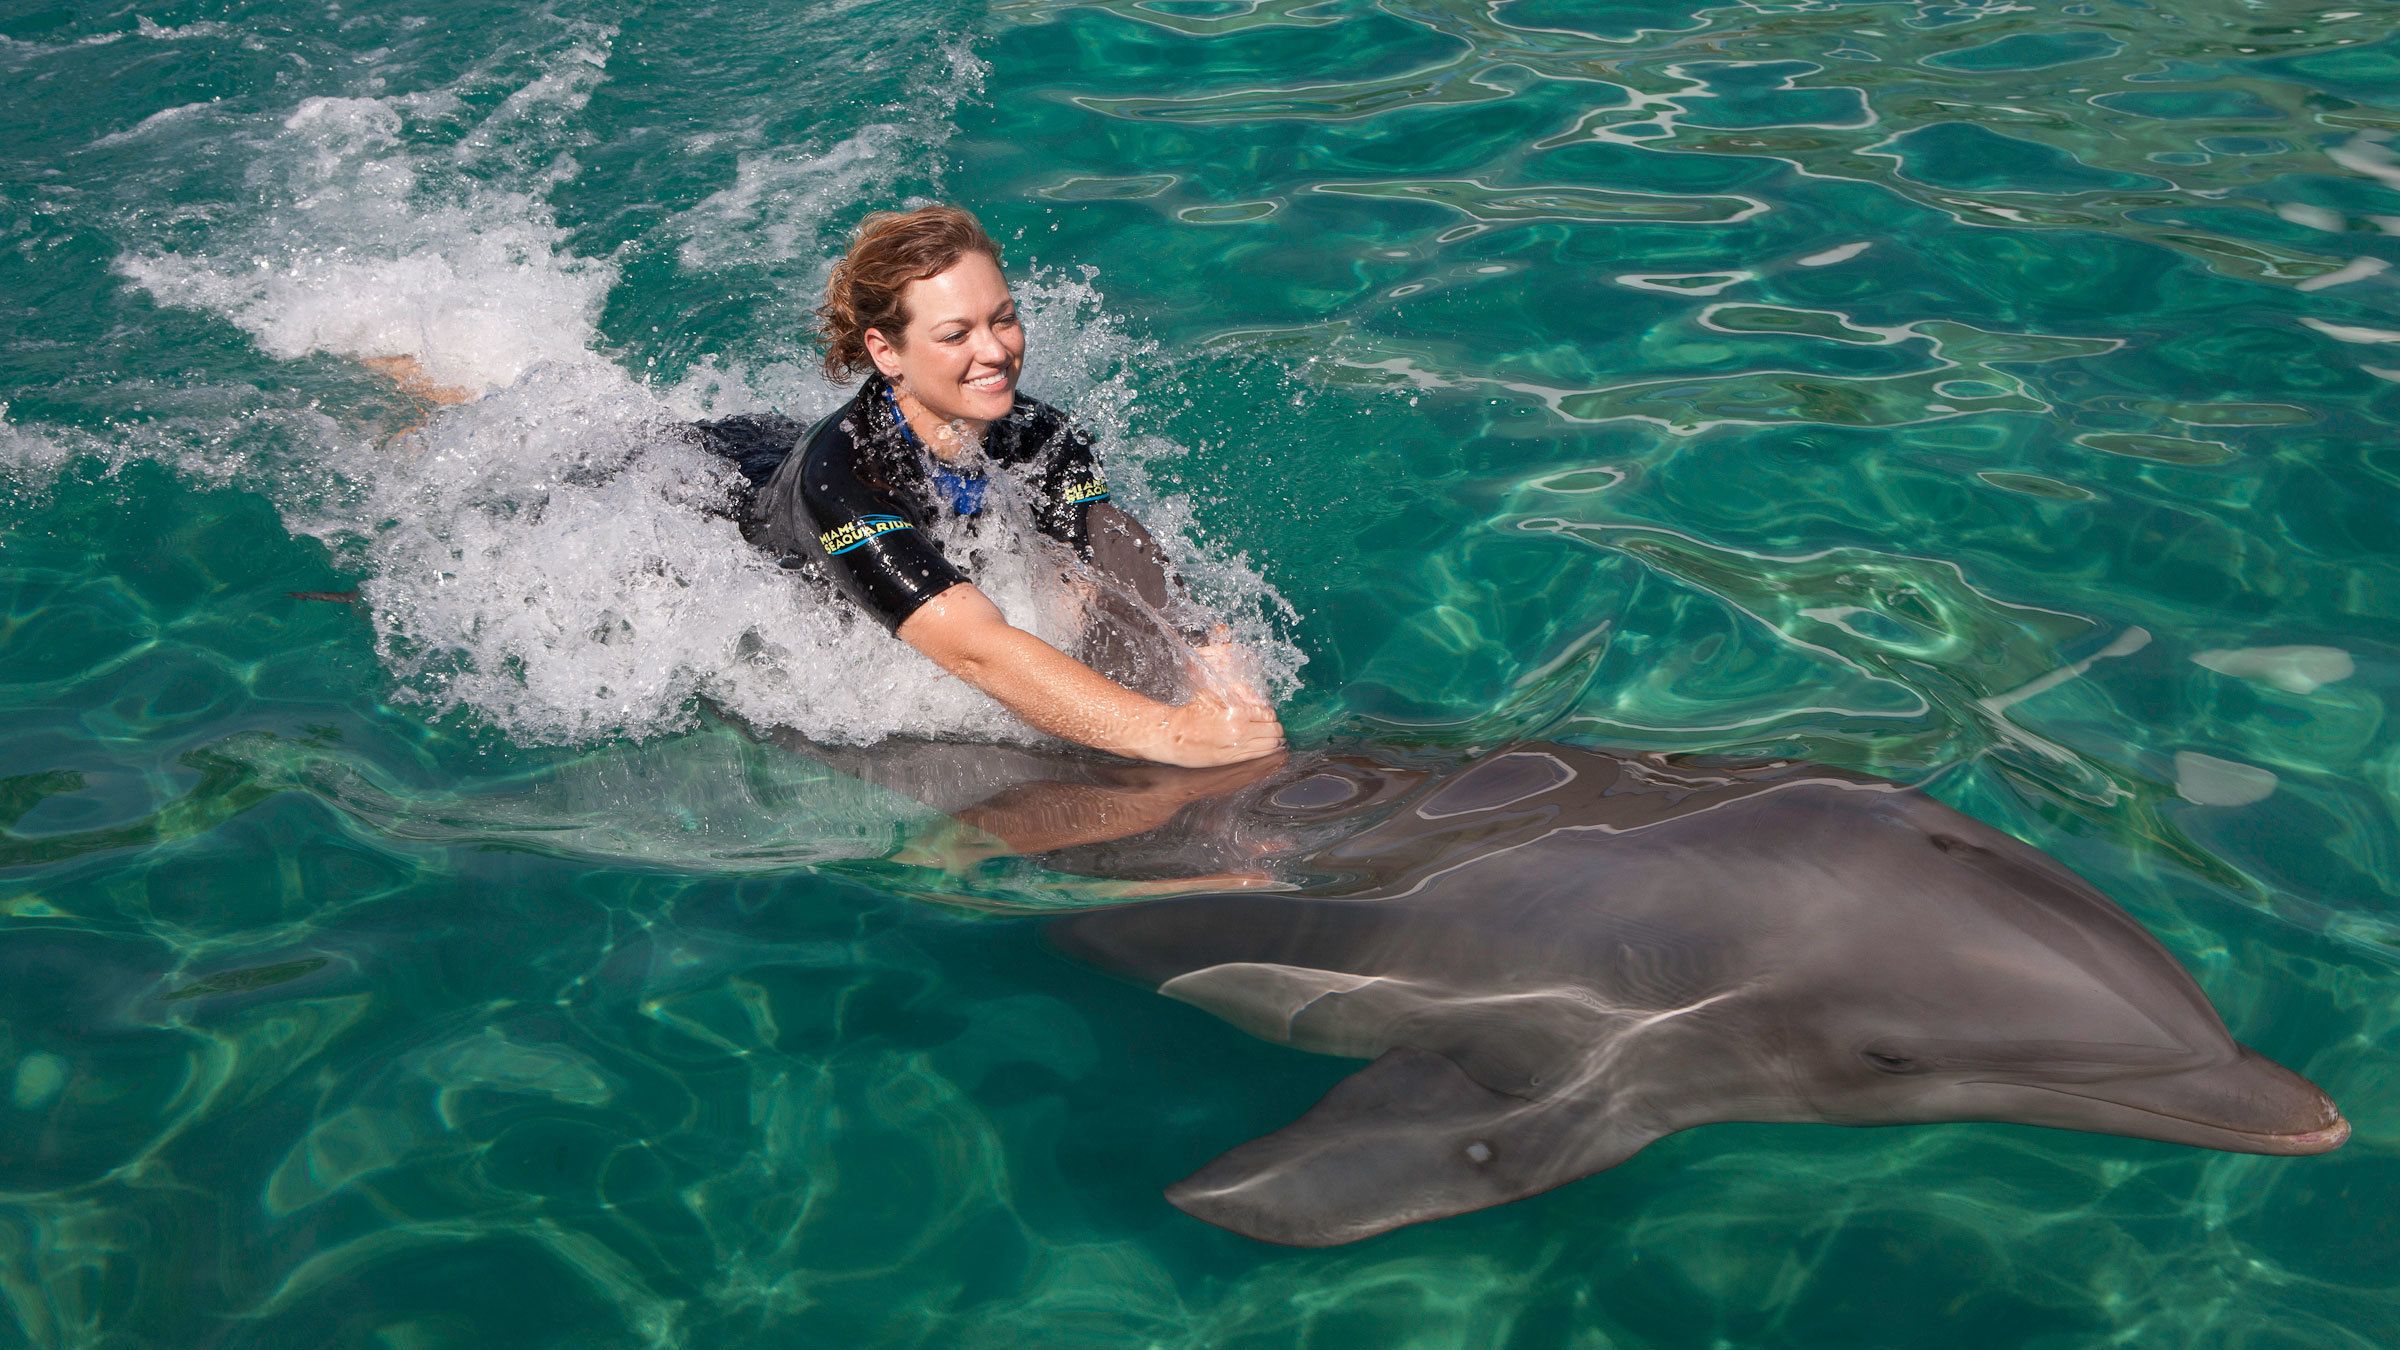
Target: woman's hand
965,634
1217,727
1228,707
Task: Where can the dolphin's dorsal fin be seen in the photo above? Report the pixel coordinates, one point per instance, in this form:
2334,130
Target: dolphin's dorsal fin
1408,1138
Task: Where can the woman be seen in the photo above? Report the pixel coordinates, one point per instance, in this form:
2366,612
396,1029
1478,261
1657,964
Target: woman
919,306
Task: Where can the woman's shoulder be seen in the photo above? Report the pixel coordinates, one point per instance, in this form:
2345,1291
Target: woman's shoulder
836,439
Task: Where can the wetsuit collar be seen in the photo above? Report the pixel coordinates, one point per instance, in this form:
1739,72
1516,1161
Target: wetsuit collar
962,492
892,409
882,402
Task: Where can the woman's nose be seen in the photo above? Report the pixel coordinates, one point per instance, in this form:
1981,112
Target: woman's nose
989,349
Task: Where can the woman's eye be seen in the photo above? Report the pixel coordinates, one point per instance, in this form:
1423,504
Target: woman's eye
952,337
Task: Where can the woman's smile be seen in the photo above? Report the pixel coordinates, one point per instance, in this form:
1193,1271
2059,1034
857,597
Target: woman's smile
962,349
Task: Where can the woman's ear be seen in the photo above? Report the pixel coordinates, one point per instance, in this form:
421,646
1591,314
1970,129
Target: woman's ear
883,353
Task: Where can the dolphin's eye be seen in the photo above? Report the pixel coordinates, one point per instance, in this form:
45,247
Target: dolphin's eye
1886,1062
1950,843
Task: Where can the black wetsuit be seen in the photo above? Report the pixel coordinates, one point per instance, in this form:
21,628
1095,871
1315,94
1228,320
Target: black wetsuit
851,498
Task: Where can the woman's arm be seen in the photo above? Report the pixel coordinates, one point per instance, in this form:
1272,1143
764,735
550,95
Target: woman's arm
964,633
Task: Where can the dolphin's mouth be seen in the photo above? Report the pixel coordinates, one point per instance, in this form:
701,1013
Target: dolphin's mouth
2209,1133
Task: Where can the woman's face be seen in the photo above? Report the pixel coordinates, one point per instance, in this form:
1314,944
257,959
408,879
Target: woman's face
962,349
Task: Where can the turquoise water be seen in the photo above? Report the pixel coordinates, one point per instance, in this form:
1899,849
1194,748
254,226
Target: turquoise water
1998,395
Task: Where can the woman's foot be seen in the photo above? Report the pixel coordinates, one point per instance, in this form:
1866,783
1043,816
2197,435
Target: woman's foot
410,375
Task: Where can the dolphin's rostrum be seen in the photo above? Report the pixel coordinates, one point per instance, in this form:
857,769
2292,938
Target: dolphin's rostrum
1555,956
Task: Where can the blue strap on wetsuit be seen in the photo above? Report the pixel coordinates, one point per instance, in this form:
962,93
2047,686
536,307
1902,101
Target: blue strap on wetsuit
964,494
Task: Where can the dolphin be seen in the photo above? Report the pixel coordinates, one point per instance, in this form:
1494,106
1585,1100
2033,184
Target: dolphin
1554,956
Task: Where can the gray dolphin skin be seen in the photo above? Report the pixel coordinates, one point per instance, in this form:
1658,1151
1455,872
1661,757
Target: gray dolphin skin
1554,956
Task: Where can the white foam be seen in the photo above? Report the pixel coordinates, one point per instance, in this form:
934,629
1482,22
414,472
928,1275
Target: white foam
559,92
154,122
30,455
163,33
786,201
781,199
155,32
143,28
365,259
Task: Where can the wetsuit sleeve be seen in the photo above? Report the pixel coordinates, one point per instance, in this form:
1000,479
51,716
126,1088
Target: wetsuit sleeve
868,543
1070,483
757,443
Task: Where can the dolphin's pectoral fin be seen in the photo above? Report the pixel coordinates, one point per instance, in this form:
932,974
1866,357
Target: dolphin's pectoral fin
1519,1044
1408,1138
1260,997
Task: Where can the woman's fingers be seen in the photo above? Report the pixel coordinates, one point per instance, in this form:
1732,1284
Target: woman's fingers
1243,709
1255,731
1212,730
